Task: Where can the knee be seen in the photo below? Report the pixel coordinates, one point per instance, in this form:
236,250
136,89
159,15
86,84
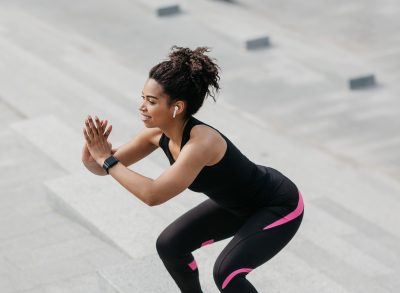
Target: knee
163,245
219,273
167,245
225,275
218,278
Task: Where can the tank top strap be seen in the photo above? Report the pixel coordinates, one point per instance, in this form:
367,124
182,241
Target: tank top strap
188,127
163,143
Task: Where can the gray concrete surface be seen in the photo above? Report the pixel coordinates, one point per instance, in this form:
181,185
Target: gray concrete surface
288,106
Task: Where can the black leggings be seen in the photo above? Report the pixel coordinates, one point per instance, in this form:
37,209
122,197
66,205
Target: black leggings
257,239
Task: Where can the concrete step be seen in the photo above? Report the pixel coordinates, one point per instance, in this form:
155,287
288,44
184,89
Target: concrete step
87,283
162,8
146,274
231,22
55,139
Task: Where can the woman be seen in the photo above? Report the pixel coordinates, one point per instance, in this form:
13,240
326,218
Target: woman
261,208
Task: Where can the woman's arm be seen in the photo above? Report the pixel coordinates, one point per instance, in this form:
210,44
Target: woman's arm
192,158
143,144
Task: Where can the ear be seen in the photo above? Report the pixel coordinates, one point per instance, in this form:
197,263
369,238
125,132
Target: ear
181,107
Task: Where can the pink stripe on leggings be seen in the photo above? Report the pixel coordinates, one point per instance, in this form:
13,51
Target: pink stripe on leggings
207,242
193,265
233,274
297,212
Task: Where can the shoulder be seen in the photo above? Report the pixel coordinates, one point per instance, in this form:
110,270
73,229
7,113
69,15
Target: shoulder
205,134
209,142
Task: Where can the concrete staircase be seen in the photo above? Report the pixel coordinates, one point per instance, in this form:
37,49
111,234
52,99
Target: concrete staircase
348,241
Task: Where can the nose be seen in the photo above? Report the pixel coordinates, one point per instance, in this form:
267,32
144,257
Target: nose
142,106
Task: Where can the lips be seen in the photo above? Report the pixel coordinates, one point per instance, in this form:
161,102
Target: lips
144,117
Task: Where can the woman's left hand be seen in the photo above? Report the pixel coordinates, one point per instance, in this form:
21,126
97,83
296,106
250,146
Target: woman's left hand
96,140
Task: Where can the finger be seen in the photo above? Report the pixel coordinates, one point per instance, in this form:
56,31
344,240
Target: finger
102,123
92,126
89,129
104,126
87,138
108,131
98,124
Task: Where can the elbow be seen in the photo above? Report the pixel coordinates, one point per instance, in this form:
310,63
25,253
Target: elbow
153,200
154,196
150,199
153,203
150,202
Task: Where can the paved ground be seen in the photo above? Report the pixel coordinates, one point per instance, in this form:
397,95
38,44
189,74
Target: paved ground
289,103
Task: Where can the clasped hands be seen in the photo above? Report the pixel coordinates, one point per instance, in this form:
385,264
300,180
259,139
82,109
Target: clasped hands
96,134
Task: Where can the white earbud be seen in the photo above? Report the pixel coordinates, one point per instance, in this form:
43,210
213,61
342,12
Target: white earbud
176,109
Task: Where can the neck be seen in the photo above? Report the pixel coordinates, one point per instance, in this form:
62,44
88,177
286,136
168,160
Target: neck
174,131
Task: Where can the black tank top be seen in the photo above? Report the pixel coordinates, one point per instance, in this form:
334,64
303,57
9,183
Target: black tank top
235,182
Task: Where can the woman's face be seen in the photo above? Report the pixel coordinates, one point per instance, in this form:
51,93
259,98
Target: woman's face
155,110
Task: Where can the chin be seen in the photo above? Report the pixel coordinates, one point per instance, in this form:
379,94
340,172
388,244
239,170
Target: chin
148,125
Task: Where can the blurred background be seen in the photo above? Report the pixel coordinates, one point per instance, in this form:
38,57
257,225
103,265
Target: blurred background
309,88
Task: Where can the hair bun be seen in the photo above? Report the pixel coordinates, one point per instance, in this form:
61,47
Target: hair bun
188,74
195,60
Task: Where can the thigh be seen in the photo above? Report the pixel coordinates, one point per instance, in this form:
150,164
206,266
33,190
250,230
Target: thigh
259,239
202,225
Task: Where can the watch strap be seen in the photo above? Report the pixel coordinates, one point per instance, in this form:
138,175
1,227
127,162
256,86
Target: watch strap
109,162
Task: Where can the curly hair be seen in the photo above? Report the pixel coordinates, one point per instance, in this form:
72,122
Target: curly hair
188,75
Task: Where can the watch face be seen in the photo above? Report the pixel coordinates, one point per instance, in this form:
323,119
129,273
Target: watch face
109,162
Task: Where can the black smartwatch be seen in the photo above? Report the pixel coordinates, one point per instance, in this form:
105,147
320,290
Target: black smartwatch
109,162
